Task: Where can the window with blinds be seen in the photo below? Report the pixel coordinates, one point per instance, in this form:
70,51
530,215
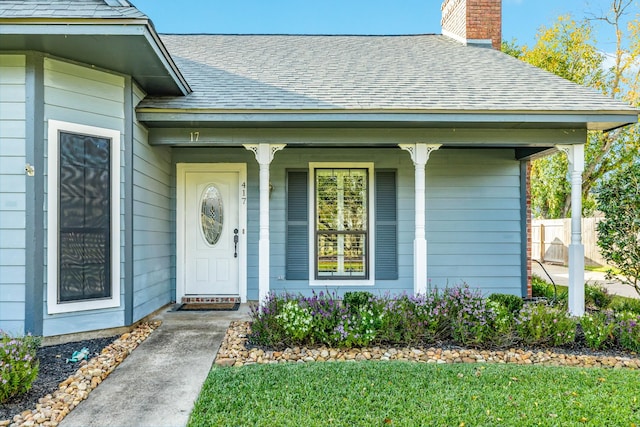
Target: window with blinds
341,223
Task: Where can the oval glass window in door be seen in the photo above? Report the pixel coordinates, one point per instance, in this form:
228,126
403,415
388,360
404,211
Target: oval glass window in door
211,217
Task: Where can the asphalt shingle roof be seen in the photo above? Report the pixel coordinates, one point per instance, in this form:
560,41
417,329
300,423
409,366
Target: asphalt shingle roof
419,72
72,9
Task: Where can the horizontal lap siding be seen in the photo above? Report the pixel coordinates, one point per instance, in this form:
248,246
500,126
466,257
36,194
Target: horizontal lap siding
153,223
12,192
298,159
89,97
473,214
473,220
473,217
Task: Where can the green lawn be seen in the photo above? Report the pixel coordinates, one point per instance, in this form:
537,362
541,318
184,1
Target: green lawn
412,394
602,269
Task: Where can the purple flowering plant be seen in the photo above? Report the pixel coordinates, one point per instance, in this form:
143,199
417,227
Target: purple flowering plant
18,364
459,314
628,330
540,324
599,329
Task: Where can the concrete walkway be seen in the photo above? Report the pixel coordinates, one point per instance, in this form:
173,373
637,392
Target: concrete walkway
560,275
159,382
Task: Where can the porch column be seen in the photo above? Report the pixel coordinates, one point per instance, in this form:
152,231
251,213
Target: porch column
575,154
420,155
264,155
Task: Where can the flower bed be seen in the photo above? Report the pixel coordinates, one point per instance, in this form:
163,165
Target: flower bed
458,316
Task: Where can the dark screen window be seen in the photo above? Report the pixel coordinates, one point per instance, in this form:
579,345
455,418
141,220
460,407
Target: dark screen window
85,217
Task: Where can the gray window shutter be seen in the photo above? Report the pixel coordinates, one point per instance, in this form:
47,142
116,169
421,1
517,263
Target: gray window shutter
386,225
297,250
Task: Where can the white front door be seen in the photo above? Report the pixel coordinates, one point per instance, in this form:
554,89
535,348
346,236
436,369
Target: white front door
213,230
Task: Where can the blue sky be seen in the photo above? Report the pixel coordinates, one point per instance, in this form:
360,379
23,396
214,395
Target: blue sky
521,18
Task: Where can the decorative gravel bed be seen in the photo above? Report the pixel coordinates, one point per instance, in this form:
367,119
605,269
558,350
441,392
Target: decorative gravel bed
234,352
61,386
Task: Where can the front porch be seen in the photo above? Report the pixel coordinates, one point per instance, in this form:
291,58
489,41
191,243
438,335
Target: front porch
472,203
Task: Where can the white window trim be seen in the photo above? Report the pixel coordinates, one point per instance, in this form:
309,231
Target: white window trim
370,224
53,154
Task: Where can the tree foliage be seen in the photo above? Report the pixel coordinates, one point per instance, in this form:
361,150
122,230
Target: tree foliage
619,233
568,49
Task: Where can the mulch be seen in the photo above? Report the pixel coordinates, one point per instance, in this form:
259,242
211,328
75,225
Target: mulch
53,370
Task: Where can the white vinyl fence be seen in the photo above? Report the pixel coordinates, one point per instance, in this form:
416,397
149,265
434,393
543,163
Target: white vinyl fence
550,239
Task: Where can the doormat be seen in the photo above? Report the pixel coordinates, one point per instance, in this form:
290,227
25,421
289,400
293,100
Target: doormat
208,306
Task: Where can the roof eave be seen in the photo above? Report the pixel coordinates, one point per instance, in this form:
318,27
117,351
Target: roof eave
107,37
602,121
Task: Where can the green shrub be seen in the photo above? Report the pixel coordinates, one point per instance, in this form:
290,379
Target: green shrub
558,295
266,330
544,325
419,319
295,320
400,323
503,324
513,303
628,330
358,330
540,288
326,312
622,304
618,198
18,364
356,301
598,330
597,296
472,319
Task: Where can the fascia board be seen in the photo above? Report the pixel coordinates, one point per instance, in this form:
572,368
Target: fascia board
595,121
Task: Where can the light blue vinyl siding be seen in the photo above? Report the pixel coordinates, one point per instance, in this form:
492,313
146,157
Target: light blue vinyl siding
86,96
474,219
12,192
473,214
153,223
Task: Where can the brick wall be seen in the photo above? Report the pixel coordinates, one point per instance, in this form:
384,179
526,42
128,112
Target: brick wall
473,20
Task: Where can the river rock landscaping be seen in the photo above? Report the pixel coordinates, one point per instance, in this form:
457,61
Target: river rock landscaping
61,386
456,325
235,351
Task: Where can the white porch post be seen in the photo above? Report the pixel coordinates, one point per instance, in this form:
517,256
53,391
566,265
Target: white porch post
420,155
575,154
264,155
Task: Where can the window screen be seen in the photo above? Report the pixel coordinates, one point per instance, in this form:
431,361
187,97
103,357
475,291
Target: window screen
84,217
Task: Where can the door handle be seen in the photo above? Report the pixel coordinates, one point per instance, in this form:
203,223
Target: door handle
235,243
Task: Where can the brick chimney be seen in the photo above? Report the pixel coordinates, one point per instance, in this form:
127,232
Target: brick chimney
473,22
